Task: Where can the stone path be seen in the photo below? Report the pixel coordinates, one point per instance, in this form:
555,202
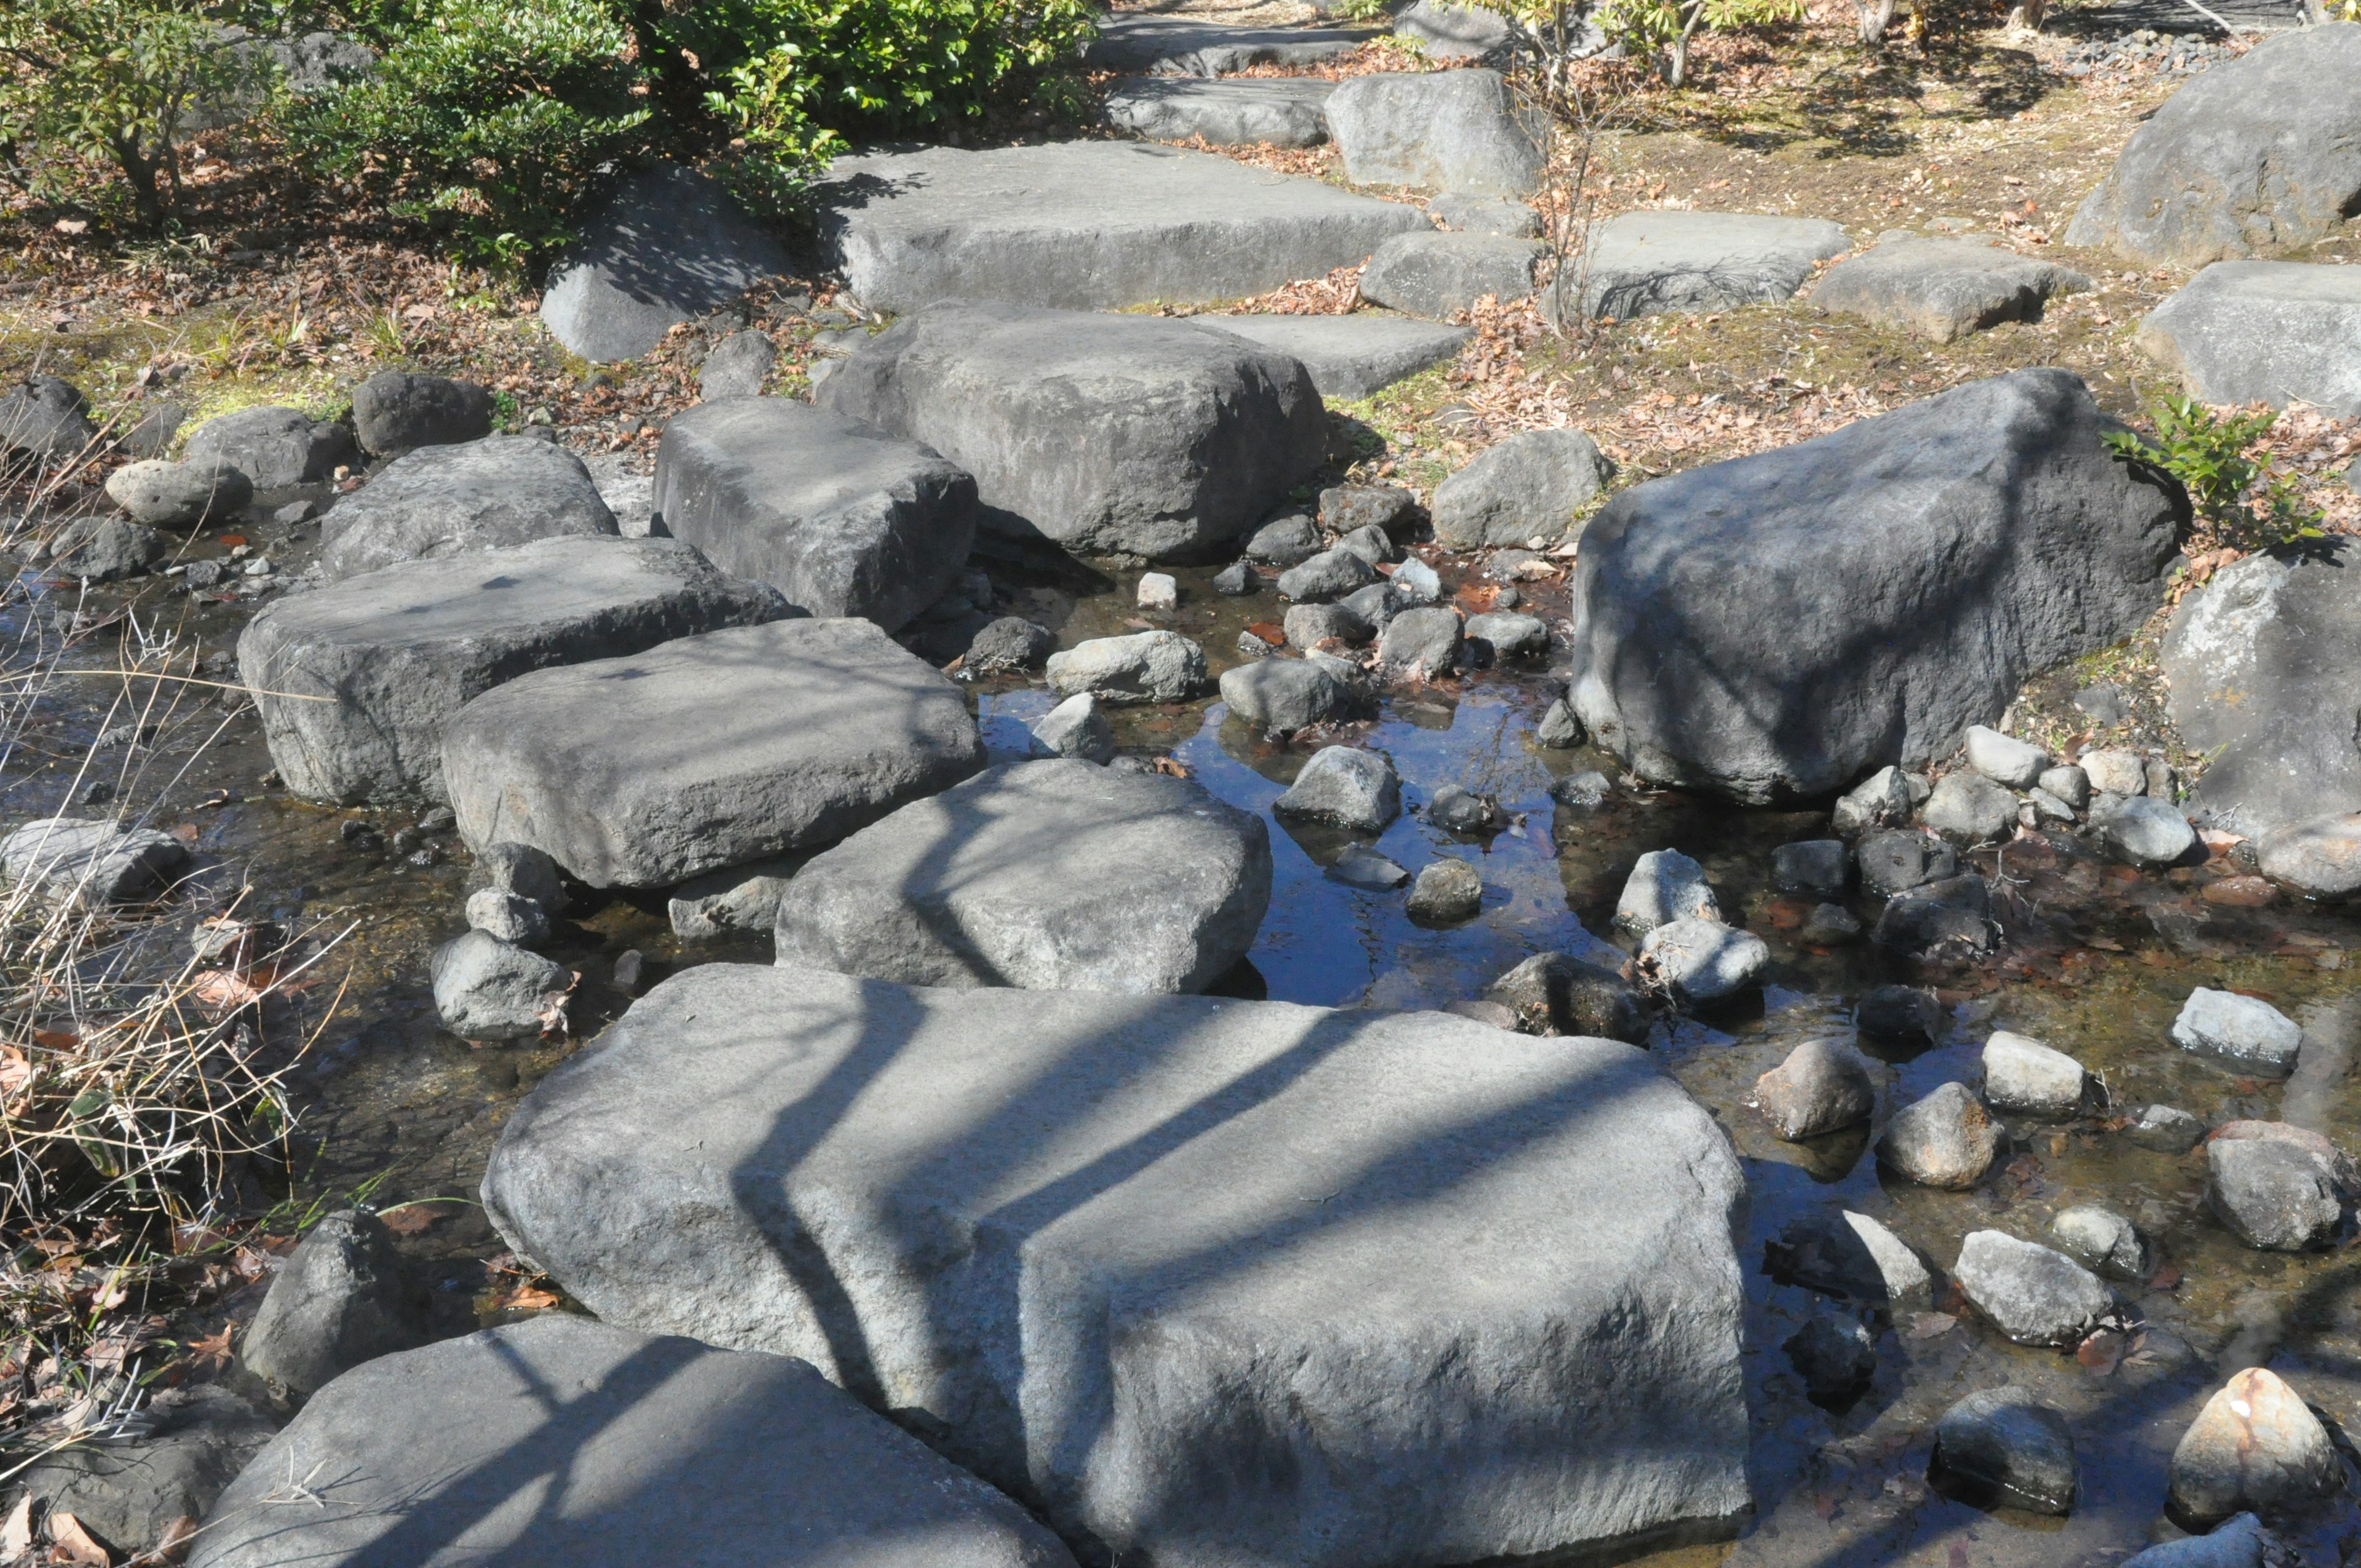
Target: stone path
1350,357
1282,111
1185,46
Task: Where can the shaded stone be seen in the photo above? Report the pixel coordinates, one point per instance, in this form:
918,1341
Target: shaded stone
1880,800
740,900
1947,919
1944,1140
1509,635
2238,1544
1420,644
2033,1294
106,550
1286,542
1356,866
338,1300
668,245
1836,1358
91,864
1899,859
2168,1129
1310,625
1904,1015
128,1492
277,448
394,410
1010,642
1852,1255
1330,575
2002,1447
1557,993
1438,274
2069,785
1816,865
44,417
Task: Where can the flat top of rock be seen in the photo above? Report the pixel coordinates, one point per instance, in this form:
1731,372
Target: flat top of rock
2306,282
1133,41
1244,89
489,592
1932,257
560,1441
1680,239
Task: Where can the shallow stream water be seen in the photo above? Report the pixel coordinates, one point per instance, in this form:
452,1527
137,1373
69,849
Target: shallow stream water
2097,962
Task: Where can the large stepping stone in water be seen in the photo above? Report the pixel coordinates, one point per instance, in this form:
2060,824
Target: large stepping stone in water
1944,289
668,246
836,515
1184,45
2263,662
560,1443
1105,435
1350,357
1283,111
1050,875
1206,1282
2258,153
2266,332
1645,264
1087,225
1445,130
1778,627
449,500
356,682
708,752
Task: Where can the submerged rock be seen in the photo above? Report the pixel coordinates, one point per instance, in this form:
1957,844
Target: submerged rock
2001,1446
128,1492
1836,1358
1852,1255
1557,993
2166,1128
2244,1031
1665,886
92,863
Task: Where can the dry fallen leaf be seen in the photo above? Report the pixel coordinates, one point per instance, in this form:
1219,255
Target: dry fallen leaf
2102,1352
524,1298
223,992
410,1219
171,1545
1167,766
211,1349
1926,1325
16,1534
73,1543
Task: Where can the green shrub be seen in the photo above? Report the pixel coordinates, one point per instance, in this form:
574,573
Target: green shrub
115,80
2244,502
489,117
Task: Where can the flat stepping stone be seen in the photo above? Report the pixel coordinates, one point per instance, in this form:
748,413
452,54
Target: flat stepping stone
835,514
2269,331
1434,274
1944,289
668,246
1438,130
1103,434
1051,875
1283,111
1183,45
1087,225
395,653
450,500
1206,1281
1653,263
1350,357
560,1443
1453,32
708,752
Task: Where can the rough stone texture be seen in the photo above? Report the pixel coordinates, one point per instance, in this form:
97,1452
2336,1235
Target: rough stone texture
1289,541
394,410
2001,1446
1880,800
1330,575
1282,111
2273,1195
356,682
2142,830
1051,875
1453,32
1851,1256
1283,695
1435,275
1144,667
449,500
1943,288
2069,785
2167,1129
277,448
1087,225
153,435
2004,759
338,1299
2263,153
2104,1240
106,550
1010,642
2235,1545
1821,866
1665,886
1557,993
839,517
487,989
44,417
1213,1371
1076,728
1944,1140
1524,488
1420,644
743,900
1347,787
1446,130
1509,635
2031,1293
2245,1031
1361,867
1191,46
2320,859
1644,264
178,495
737,367
669,246
1485,215
126,1492
560,1443
91,863
2256,1446
1446,893
1968,808
2024,1075
1102,434
522,870
1349,356
708,752
517,921
1696,961
2244,332
2262,663
1946,918
1820,1087
1774,627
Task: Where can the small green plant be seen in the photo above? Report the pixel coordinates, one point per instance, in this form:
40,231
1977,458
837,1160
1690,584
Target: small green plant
2244,502
1553,32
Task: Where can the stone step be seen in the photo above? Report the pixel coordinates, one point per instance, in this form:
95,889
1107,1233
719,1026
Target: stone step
1185,46
1283,111
1350,357
1087,225
560,1443
1649,263
1204,1281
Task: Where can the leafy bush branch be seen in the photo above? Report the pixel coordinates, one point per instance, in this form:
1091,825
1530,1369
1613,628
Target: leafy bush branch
2245,501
